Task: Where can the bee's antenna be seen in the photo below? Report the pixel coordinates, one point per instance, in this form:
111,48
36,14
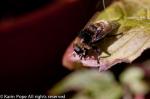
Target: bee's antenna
104,6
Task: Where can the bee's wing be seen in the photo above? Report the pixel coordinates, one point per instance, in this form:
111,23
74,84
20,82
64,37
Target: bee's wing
98,36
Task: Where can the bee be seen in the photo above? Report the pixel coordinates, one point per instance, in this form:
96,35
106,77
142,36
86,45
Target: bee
90,37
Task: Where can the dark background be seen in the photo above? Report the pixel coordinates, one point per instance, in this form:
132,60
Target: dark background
34,35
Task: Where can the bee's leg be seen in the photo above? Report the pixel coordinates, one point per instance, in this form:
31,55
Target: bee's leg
81,56
106,52
84,54
98,52
97,57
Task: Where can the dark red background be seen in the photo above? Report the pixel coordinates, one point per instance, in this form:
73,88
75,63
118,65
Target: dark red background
32,44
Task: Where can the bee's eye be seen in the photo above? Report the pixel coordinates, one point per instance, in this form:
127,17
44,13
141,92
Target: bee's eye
78,50
85,35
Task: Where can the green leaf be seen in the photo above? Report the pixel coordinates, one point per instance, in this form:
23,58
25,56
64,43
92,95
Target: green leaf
90,84
134,19
133,77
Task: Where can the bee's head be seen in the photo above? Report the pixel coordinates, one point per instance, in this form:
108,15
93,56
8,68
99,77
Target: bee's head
85,35
78,49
